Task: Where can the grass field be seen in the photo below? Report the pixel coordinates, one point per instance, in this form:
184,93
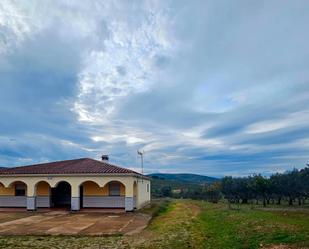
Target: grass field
194,224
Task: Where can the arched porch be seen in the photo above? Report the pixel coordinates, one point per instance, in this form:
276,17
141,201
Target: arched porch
111,195
34,192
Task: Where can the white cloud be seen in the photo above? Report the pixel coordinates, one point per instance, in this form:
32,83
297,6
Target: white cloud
190,83
292,120
15,24
124,64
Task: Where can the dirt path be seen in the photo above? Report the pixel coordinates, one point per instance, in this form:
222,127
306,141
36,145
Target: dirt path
160,230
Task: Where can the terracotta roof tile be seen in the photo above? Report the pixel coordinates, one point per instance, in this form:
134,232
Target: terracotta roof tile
76,166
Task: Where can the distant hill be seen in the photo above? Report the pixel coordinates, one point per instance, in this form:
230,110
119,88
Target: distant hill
189,178
163,184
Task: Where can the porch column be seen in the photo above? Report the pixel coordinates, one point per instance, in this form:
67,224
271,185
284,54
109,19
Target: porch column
129,203
31,197
75,198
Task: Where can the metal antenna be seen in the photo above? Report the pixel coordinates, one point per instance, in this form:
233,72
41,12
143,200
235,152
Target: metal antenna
141,153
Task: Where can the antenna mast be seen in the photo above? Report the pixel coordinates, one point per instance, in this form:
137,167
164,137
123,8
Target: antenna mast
141,153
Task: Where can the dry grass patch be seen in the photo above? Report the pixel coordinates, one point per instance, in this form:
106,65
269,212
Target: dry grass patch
172,229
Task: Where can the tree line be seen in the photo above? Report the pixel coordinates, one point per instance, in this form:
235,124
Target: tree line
292,186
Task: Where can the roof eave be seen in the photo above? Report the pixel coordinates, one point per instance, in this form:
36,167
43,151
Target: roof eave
78,174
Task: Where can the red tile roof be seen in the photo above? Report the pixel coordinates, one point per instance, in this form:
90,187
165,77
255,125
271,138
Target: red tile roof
76,166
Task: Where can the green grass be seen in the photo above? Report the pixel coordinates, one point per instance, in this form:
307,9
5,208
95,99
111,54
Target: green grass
217,227
251,228
192,224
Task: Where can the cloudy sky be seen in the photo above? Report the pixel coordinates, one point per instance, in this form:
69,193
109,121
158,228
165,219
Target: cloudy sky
211,87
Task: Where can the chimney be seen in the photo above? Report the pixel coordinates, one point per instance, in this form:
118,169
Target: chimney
104,158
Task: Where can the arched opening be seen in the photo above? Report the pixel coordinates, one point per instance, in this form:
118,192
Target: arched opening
5,193
61,195
43,194
116,188
15,195
111,195
42,188
18,188
89,189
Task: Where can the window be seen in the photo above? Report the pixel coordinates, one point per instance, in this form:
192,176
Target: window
114,189
148,188
20,190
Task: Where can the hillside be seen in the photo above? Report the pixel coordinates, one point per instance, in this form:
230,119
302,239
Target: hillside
165,184
189,178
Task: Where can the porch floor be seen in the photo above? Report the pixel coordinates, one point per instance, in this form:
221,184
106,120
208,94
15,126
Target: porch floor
82,210
58,222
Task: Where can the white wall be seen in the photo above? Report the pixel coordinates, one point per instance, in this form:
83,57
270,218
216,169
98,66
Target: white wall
143,197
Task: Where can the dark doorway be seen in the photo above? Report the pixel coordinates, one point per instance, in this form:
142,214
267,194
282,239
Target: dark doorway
61,195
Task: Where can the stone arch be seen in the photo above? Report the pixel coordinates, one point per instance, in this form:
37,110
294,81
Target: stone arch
13,182
61,181
114,180
94,181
